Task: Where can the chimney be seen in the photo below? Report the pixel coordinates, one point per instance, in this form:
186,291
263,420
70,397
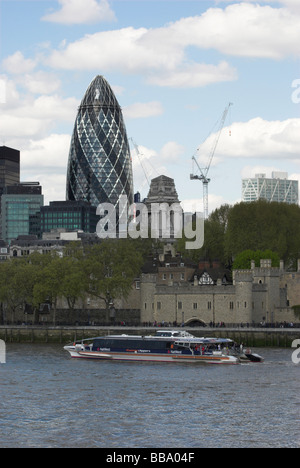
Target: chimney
203,264
216,264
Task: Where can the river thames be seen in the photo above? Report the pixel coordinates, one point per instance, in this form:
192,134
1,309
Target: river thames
51,400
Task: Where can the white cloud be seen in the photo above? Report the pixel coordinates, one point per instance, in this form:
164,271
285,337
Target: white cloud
249,172
292,5
141,110
81,12
17,64
45,161
139,51
2,91
110,50
257,139
195,75
40,82
50,152
33,117
171,152
196,204
244,30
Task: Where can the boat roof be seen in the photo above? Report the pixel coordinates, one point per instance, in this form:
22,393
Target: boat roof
173,333
206,340
176,336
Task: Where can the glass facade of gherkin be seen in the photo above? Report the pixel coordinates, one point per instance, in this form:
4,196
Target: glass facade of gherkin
99,167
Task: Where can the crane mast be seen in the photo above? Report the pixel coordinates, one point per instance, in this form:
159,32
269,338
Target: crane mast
204,172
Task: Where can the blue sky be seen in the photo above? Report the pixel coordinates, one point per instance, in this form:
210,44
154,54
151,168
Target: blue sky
174,66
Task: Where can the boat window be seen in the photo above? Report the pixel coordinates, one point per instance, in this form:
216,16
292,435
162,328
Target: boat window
135,343
160,333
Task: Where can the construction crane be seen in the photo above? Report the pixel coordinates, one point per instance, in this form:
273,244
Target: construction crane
204,172
140,160
147,172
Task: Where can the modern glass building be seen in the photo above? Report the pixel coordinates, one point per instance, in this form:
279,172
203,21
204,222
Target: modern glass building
20,210
9,166
278,188
99,167
69,215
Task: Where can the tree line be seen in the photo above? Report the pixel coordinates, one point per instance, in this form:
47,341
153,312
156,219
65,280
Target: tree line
257,226
105,271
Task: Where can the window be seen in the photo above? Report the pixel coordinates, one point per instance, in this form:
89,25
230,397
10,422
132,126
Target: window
231,306
158,305
209,305
179,305
195,306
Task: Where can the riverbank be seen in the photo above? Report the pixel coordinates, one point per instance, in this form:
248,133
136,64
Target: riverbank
255,337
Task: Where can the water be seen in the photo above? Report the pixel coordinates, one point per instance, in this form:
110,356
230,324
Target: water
51,400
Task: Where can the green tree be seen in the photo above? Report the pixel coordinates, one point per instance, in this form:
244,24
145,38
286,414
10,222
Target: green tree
243,260
60,277
73,280
16,285
263,225
111,268
214,238
49,284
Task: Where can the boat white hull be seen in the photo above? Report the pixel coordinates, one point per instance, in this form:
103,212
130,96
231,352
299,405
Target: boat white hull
151,357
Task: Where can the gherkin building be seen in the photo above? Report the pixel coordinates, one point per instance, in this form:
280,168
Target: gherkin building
99,166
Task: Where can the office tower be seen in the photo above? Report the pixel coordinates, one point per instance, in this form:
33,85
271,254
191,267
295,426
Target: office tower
20,210
278,188
69,215
9,166
99,167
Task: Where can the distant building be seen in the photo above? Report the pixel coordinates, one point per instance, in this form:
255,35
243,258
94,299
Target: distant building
278,188
162,191
69,215
20,210
9,167
54,241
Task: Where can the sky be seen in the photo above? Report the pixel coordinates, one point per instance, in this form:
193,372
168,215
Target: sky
174,66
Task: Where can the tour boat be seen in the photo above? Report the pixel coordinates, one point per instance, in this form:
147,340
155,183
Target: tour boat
164,346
